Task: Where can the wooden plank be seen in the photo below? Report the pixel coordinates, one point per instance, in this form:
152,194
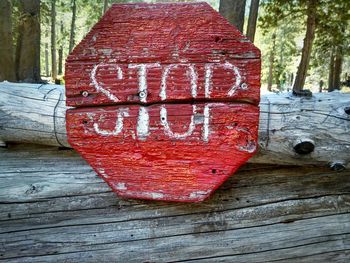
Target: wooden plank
179,152
119,83
36,113
33,113
155,43
54,208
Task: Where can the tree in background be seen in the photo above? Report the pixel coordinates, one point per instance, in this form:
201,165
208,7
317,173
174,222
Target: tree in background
286,52
271,62
60,50
47,71
233,11
7,65
327,36
277,11
253,16
45,26
53,41
279,48
332,41
28,42
105,6
300,77
286,18
72,27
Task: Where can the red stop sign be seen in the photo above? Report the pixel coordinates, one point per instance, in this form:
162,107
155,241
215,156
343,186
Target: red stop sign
166,100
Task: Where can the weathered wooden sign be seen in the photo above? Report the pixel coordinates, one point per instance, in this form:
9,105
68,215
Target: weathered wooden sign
165,99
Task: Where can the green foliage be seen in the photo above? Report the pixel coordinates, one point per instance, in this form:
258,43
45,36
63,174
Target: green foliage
88,13
287,29
289,16
332,31
284,18
277,12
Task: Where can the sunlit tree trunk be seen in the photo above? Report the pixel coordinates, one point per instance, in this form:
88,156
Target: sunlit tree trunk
53,40
47,70
308,41
271,62
105,6
331,72
7,65
28,42
72,27
253,16
233,11
60,52
338,61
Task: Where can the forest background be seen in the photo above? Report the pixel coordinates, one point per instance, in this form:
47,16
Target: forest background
305,44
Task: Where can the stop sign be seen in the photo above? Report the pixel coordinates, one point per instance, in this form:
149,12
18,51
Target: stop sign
166,100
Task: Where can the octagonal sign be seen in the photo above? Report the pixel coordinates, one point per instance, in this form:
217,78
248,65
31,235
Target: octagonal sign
165,100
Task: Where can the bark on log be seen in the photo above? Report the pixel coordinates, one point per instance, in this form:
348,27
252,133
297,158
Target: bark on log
292,130
7,65
27,63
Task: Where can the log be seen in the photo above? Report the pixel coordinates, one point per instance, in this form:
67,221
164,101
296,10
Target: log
33,113
54,208
292,130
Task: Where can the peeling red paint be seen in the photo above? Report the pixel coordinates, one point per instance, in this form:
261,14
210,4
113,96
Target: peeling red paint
175,90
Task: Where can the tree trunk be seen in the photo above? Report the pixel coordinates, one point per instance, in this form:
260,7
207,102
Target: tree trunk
47,70
253,15
105,6
53,41
291,80
72,27
337,68
320,87
233,11
271,62
292,130
47,60
60,52
28,42
60,60
7,65
308,41
331,72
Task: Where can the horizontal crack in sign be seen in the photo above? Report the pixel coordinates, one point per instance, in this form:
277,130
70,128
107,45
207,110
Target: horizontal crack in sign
174,102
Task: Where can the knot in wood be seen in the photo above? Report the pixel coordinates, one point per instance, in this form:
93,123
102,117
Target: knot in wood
304,146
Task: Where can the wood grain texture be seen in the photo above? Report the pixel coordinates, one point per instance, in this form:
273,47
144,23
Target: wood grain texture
54,208
35,113
177,73
322,119
167,162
